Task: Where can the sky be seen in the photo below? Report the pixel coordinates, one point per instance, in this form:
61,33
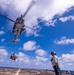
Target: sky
54,24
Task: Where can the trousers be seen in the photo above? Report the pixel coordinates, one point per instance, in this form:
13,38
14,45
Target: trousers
57,70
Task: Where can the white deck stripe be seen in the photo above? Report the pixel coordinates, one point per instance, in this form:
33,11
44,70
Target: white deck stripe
17,73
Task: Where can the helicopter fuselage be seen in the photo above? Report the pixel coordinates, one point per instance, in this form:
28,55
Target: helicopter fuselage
18,27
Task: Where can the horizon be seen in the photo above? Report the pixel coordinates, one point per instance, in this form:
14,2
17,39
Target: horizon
33,68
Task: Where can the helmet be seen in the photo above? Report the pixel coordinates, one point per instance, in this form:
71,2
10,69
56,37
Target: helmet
53,53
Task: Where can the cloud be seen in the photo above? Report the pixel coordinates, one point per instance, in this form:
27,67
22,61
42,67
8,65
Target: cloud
68,57
64,41
40,60
51,22
34,61
73,51
67,61
40,57
2,40
64,19
3,54
30,45
41,52
26,59
44,9
2,32
23,58
1,47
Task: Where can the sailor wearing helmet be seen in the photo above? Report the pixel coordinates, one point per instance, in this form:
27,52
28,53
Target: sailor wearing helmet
55,63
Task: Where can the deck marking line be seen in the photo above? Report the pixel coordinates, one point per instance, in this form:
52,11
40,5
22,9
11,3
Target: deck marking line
17,73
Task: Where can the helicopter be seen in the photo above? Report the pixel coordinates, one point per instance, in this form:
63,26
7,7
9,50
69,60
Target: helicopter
13,57
19,26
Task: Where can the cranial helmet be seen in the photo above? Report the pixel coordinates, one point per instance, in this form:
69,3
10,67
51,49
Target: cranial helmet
53,53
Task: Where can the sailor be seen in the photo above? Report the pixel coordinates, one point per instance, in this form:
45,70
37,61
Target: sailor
55,63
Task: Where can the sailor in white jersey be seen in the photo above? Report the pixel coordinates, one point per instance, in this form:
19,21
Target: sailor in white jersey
55,63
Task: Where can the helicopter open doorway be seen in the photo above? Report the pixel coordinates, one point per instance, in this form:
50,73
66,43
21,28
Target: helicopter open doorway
19,26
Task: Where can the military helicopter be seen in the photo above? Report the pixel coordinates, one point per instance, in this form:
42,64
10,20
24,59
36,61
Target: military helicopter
19,26
13,57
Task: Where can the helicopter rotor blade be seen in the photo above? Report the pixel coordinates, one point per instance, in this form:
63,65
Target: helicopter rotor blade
7,17
31,4
29,27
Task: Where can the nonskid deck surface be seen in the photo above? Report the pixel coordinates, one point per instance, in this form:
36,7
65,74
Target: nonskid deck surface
7,71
